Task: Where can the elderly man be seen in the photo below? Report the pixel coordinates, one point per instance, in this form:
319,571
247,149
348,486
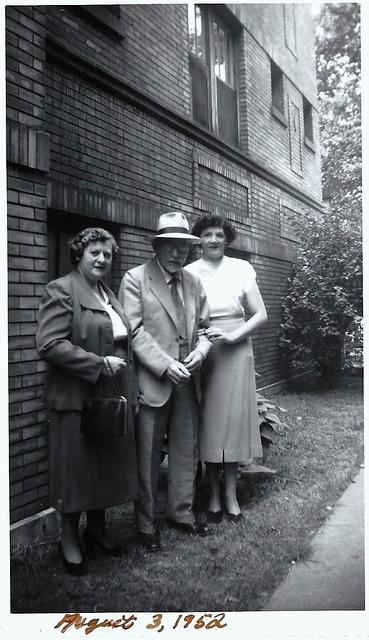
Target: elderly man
166,307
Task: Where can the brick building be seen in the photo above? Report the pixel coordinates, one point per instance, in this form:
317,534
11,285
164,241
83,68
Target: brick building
118,113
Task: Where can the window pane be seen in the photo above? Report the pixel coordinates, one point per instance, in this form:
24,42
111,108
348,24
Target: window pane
216,48
222,57
200,49
199,77
196,31
227,113
191,28
308,120
223,53
277,87
290,26
230,58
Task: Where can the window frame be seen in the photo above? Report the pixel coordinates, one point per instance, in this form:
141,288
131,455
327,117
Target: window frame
211,14
309,139
277,93
289,18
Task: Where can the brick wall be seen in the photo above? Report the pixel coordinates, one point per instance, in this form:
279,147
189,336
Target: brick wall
27,278
266,138
152,56
89,128
25,41
266,24
27,154
79,150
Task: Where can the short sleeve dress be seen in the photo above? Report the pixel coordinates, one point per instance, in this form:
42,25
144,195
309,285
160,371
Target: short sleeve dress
229,429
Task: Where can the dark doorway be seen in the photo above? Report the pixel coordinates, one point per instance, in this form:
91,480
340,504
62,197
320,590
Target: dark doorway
61,227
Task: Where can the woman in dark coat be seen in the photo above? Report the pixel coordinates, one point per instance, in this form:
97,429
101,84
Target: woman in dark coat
85,338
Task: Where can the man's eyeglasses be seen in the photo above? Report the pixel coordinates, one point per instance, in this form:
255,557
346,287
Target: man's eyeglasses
168,247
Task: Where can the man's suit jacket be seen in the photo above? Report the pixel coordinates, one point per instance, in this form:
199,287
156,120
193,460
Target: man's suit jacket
155,338
74,334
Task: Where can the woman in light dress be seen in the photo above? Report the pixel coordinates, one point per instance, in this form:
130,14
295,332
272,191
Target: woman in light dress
229,431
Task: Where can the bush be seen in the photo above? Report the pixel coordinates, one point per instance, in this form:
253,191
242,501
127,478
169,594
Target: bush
325,292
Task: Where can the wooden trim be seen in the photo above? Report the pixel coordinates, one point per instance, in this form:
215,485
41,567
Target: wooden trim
143,215
276,249
27,147
42,525
93,72
280,385
97,204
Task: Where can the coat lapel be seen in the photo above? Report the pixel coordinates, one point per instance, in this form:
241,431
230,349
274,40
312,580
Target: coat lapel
85,296
160,289
89,301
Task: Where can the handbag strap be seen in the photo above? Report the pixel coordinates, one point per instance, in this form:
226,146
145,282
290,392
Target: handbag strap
112,377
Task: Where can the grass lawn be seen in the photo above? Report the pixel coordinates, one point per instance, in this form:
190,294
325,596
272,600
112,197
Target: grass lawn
316,454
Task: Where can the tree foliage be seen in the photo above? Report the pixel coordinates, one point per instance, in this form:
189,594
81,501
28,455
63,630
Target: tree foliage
325,292
339,92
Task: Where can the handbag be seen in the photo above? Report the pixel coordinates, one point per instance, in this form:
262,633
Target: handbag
105,417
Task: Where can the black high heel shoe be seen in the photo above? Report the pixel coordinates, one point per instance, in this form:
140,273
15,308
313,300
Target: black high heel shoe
233,517
93,543
214,516
74,568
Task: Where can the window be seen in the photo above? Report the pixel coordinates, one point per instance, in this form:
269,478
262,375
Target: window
308,123
104,17
289,12
277,85
212,53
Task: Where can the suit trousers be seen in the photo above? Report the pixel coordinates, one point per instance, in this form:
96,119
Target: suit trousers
178,418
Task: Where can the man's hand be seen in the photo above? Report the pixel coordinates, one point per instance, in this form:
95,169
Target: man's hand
177,372
194,360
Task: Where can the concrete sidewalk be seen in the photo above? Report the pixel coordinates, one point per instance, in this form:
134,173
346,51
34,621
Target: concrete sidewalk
333,577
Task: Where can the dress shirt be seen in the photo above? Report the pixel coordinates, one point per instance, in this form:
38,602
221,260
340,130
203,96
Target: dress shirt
169,277
119,328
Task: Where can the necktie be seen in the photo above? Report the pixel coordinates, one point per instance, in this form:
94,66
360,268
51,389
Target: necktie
180,310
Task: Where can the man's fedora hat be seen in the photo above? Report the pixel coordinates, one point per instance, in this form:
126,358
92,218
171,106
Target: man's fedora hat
174,224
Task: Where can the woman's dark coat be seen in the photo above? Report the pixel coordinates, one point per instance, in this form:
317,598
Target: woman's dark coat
75,333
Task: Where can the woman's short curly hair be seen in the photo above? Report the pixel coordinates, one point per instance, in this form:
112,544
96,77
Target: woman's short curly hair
79,242
212,220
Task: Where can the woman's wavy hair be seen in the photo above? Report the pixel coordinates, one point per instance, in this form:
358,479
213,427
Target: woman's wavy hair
79,242
212,220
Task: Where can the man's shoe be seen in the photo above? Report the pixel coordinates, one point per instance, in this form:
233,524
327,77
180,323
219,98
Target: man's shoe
149,541
197,529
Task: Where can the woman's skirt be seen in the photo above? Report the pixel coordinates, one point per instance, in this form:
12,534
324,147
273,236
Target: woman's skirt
229,430
86,475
